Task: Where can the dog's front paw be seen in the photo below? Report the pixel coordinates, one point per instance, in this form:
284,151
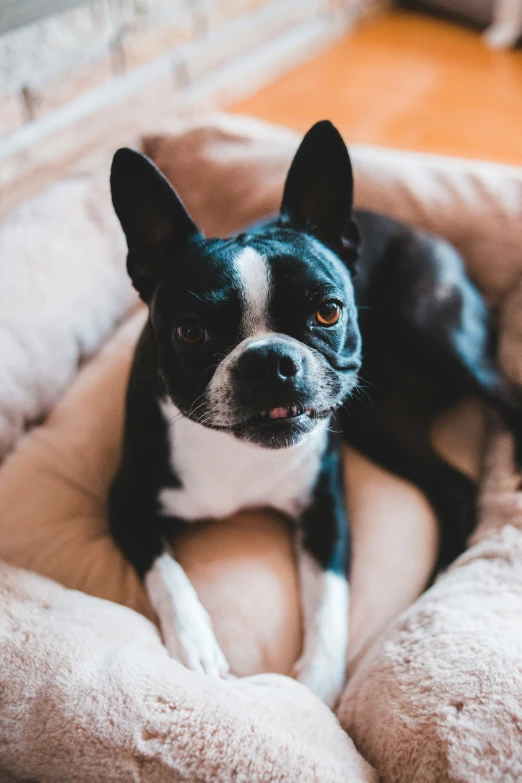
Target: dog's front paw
322,673
194,644
185,624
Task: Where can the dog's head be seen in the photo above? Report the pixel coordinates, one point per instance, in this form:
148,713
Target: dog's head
256,334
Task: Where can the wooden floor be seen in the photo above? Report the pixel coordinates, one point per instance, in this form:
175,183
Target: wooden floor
408,81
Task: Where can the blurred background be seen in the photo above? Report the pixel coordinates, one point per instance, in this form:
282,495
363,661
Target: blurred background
437,75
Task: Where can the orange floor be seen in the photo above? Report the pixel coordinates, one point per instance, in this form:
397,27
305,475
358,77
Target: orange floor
409,81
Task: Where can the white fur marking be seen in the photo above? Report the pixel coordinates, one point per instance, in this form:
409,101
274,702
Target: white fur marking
185,624
324,596
254,277
221,474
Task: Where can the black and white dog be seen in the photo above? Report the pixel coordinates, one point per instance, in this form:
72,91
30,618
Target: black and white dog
252,345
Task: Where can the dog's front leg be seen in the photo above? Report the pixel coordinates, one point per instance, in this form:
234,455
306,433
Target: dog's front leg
186,626
322,559
322,665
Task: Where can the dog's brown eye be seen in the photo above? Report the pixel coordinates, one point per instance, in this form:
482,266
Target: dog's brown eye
191,333
328,313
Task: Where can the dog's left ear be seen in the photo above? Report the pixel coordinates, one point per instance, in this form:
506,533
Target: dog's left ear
318,194
153,218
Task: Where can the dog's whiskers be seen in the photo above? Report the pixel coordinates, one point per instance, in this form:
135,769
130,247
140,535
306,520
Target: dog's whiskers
367,384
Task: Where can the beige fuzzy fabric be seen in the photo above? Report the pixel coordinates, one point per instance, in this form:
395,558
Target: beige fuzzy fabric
63,286
87,691
439,698
90,694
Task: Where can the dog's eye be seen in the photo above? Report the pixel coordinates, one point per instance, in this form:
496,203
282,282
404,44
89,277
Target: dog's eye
329,313
192,333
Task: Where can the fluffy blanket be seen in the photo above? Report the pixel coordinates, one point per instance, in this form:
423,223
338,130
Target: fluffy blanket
87,691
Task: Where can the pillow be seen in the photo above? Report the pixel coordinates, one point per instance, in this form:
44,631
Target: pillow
449,667
90,694
63,286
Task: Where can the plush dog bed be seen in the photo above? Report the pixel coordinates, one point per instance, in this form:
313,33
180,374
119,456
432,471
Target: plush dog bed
87,691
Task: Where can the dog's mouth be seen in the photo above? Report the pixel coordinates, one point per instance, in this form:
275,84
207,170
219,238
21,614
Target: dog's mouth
286,413
275,417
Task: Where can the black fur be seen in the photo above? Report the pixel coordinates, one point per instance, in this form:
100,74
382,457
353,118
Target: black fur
429,341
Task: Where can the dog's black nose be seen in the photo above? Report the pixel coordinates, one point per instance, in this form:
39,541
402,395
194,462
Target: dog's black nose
264,368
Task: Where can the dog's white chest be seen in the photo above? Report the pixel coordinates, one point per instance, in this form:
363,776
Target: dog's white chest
220,474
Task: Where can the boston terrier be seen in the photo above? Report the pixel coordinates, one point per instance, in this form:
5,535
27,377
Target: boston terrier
250,370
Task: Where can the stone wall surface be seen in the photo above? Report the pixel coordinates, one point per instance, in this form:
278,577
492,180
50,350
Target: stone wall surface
78,74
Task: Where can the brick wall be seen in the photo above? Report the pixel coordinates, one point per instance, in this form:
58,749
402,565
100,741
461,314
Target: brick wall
102,68
46,64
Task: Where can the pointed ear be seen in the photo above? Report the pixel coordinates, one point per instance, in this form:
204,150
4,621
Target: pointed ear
318,194
152,216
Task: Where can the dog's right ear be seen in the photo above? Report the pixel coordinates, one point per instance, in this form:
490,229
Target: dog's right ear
152,215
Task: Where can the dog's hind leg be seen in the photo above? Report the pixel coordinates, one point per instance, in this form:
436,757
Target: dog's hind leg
437,322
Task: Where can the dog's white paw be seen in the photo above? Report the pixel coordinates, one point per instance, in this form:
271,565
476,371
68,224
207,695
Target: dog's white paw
185,624
323,672
194,644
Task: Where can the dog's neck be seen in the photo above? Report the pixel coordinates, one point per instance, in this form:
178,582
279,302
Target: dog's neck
220,474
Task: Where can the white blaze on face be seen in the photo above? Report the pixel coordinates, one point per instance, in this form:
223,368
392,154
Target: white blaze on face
254,277
252,272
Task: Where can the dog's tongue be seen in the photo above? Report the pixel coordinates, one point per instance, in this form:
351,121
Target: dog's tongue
278,413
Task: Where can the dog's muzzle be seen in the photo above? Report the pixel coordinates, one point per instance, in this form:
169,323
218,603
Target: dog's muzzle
272,390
